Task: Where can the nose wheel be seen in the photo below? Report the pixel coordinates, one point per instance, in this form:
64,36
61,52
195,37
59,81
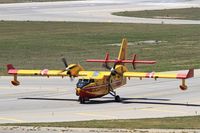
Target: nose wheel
82,100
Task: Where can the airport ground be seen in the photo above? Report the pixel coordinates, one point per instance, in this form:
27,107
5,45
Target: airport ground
50,100
182,13
187,102
27,1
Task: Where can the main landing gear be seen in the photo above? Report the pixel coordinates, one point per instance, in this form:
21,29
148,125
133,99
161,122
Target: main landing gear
117,97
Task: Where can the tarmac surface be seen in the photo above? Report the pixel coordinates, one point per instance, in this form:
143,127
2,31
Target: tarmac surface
21,129
93,11
41,99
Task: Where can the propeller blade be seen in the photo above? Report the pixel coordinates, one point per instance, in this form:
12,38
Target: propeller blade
70,75
134,59
106,66
110,83
67,69
65,62
71,79
115,65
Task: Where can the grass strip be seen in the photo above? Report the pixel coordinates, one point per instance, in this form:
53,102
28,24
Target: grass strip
39,45
184,13
189,122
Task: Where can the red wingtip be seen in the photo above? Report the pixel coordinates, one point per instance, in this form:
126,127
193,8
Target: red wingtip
190,73
10,67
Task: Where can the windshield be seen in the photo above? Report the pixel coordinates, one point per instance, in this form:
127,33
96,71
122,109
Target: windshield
83,82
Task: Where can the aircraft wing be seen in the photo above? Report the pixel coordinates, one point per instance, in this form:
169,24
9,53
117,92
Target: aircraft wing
160,75
44,72
93,74
155,75
62,73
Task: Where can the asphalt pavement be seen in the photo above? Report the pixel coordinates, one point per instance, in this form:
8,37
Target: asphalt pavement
93,11
41,99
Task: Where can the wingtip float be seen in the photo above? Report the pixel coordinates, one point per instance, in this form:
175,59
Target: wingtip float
94,84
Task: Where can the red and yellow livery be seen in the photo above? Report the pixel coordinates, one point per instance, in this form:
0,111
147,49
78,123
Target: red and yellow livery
94,84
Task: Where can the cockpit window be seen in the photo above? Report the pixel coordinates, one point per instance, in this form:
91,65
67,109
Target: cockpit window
83,82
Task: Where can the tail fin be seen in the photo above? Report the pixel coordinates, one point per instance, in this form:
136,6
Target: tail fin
123,49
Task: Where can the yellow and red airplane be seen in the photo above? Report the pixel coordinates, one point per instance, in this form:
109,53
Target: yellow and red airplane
95,84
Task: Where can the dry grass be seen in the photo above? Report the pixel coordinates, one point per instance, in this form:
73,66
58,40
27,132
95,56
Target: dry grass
41,45
190,122
184,13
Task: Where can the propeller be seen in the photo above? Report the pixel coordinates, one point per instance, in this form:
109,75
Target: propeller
65,62
112,69
67,69
113,72
106,66
134,59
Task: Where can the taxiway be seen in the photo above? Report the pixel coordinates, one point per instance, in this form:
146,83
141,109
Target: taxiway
93,11
41,99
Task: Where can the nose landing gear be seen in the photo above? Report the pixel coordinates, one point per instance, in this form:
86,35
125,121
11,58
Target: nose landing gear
82,100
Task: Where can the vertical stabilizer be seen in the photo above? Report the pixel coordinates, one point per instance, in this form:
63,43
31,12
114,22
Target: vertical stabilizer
122,52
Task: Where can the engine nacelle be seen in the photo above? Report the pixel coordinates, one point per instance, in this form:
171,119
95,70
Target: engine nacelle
73,69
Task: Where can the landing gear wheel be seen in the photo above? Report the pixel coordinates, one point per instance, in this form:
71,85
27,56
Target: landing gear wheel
117,98
81,100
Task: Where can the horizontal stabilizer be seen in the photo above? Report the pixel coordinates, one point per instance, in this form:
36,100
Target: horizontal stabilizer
122,61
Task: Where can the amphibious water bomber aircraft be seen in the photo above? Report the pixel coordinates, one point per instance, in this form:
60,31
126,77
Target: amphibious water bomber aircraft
95,84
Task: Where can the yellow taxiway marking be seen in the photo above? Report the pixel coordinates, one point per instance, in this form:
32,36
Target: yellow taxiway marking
11,119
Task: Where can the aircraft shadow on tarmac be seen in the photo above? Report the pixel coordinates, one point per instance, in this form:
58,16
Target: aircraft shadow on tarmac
105,100
50,99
